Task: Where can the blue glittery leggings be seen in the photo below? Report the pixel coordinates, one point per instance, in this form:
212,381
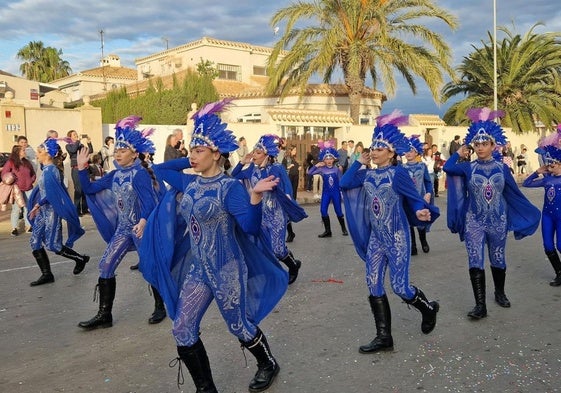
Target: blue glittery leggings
551,227
47,230
196,295
331,196
478,234
122,241
395,256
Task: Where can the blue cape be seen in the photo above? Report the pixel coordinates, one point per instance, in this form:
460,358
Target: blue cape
57,196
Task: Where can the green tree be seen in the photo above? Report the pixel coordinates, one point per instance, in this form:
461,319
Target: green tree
159,105
207,68
528,83
42,64
360,37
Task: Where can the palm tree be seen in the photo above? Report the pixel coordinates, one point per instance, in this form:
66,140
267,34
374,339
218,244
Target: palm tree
528,85
42,64
359,37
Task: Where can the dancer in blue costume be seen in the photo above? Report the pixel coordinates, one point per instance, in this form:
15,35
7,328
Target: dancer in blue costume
550,150
49,204
484,203
278,207
213,250
331,192
423,182
380,203
120,203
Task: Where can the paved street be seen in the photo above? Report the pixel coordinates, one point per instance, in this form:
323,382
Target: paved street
314,332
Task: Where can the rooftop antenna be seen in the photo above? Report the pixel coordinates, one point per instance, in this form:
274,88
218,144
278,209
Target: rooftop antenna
166,40
102,61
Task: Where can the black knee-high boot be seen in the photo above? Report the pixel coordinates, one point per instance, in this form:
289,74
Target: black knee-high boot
196,360
293,266
267,366
383,317
477,277
103,318
159,313
499,276
327,225
423,239
556,263
80,260
291,235
427,309
43,261
343,227
413,241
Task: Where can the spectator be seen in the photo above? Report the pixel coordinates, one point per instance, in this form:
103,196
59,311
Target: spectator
107,152
454,145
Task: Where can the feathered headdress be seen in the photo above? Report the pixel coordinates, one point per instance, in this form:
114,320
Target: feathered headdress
128,137
549,147
51,146
327,149
209,129
415,143
387,134
483,128
269,143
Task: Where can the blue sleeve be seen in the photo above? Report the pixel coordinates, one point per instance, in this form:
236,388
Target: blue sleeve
523,217
239,173
145,191
534,181
313,170
172,172
247,216
94,187
428,181
403,185
279,172
453,167
354,177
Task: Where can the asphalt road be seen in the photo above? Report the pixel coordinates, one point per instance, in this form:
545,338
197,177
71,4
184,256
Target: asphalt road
314,332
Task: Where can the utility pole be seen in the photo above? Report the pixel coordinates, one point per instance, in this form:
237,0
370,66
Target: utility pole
102,63
495,84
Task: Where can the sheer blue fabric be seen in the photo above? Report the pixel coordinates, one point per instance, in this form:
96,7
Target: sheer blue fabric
209,222
50,190
523,217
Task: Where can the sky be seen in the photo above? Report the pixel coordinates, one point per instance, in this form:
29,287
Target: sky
134,29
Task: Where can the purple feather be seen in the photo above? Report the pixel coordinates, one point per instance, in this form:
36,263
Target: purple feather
128,122
397,118
213,107
483,114
147,132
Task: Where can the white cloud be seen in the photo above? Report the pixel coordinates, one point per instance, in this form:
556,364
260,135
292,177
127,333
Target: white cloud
135,29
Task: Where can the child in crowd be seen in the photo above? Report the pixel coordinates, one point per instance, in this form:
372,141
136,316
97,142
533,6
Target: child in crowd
49,204
331,192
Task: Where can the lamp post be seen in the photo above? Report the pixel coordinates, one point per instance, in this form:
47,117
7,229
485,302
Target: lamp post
495,55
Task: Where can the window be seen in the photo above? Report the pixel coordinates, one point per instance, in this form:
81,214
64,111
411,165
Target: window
250,118
257,70
229,72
